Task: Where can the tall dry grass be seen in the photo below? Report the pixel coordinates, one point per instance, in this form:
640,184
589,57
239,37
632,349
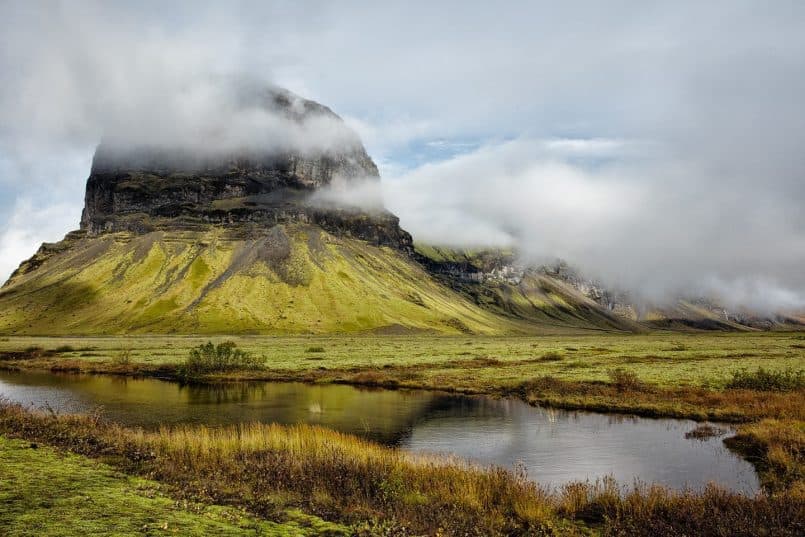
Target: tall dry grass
333,474
777,447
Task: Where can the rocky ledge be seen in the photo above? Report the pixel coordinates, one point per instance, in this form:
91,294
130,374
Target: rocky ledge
142,189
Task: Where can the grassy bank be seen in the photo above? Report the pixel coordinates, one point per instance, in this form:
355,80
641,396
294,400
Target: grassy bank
664,359
270,469
45,492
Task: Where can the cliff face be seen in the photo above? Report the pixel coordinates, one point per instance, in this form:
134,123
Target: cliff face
142,189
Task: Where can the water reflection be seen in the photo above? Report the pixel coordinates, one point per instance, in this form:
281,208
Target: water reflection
554,446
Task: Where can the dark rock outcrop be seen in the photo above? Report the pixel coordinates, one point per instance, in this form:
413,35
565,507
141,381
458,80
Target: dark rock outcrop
142,189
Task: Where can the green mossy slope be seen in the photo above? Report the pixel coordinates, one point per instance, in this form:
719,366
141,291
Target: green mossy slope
290,279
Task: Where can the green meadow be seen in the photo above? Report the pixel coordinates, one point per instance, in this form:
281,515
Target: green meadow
450,362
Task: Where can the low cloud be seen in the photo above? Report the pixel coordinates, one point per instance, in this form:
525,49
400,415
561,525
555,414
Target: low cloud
635,218
185,92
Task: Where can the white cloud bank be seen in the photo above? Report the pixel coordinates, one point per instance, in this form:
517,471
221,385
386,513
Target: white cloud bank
649,224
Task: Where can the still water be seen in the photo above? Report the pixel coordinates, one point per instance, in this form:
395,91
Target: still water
553,446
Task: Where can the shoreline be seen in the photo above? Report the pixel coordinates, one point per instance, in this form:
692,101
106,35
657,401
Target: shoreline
269,469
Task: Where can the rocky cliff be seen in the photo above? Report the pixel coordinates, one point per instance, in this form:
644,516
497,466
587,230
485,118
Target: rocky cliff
146,188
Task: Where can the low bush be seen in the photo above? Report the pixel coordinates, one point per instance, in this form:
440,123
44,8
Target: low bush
373,378
551,356
211,358
314,349
625,380
705,431
123,358
483,361
765,380
64,348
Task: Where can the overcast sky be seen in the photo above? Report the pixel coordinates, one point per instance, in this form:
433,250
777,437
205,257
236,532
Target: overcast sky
660,147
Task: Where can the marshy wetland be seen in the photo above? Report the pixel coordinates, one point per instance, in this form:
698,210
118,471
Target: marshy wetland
554,447
334,443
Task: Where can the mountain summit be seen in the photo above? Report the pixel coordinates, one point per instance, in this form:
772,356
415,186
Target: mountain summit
143,188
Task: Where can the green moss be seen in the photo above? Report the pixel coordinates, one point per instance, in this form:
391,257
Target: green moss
199,272
45,493
160,308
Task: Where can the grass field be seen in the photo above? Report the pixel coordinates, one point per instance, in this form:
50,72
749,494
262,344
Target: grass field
456,362
673,375
44,492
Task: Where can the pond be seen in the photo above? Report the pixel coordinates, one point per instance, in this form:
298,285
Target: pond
553,446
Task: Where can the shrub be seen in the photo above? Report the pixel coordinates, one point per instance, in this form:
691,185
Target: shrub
374,378
123,358
64,348
211,358
314,349
768,381
551,356
483,361
625,380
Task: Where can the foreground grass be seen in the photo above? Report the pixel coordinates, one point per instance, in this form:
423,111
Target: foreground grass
269,469
44,492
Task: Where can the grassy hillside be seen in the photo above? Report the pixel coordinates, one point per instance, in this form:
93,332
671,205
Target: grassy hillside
291,279
559,296
536,298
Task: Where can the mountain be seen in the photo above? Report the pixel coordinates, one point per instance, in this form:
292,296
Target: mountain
558,293
215,238
173,239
